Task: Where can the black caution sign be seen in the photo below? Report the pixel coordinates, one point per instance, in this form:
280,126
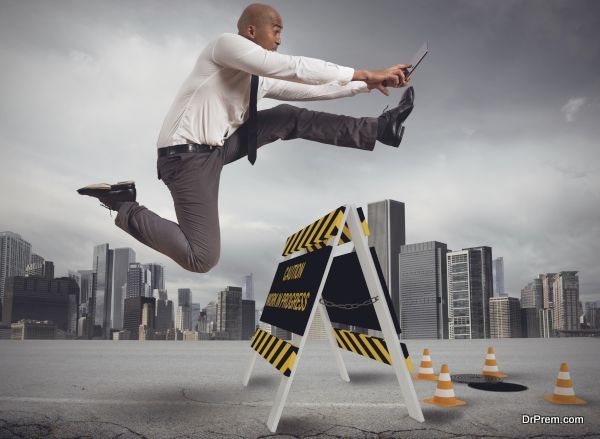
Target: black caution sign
292,294
346,285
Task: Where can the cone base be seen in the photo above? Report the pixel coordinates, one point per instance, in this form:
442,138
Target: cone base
564,400
495,374
421,376
445,402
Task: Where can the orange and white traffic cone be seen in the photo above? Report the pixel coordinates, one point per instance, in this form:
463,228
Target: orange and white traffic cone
563,390
444,393
490,367
426,368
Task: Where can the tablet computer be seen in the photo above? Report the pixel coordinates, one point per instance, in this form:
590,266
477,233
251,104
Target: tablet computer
417,59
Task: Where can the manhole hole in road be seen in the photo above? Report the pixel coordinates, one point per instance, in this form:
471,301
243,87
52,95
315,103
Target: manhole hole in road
498,387
474,378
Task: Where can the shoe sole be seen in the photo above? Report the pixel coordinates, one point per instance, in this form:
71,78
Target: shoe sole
103,188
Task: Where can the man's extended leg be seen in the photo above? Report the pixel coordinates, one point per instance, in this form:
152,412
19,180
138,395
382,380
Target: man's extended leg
290,122
194,243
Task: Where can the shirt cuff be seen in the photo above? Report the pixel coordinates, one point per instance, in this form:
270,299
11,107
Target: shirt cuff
346,74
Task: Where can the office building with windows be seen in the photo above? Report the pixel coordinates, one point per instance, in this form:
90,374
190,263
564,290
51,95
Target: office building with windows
505,317
122,258
102,266
423,290
469,291
566,301
388,234
229,313
15,254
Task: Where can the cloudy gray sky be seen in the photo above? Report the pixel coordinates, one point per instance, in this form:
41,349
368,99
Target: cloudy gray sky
501,150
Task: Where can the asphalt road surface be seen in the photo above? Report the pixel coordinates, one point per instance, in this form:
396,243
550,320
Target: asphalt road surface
159,389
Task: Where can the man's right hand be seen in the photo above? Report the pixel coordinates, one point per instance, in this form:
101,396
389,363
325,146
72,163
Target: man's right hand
393,76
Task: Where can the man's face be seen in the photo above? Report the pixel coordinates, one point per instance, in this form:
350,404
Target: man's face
268,33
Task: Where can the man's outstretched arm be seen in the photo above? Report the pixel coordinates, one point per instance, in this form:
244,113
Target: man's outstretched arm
237,52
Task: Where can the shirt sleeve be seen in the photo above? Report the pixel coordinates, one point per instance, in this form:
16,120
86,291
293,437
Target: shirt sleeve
237,52
293,91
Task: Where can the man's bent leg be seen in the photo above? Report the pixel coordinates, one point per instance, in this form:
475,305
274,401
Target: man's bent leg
290,122
194,243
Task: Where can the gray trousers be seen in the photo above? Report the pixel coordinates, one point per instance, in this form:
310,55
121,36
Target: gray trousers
193,179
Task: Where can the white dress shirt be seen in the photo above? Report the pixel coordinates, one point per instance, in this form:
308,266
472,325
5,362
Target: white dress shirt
213,101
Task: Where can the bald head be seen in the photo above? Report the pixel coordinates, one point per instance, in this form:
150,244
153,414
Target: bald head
262,25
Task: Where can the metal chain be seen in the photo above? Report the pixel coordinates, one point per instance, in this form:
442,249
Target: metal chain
349,306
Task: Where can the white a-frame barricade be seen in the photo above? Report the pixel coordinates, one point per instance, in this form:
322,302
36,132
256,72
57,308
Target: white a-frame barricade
349,289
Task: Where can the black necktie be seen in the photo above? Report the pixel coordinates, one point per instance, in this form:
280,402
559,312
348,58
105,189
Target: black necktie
251,141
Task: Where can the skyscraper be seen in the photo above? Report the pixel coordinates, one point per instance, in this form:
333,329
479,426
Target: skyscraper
87,293
139,281
157,276
122,257
39,298
566,301
102,266
133,313
532,295
184,301
248,316
498,276
15,253
547,280
423,290
39,267
229,313
164,312
469,291
211,317
195,313
248,287
505,317
387,227
531,304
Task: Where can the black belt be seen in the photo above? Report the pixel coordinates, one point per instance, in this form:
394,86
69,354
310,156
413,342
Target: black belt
186,147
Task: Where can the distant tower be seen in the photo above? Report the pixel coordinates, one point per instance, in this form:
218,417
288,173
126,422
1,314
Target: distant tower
388,235
195,313
133,313
183,321
157,276
139,281
566,301
229,313
248,287
122,257
498,275
38,266
423,290
102,266
469,291
15,253
164,312
505,317
531,305
248,318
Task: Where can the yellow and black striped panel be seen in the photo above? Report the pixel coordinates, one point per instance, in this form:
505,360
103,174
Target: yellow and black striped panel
347,236
369,346
281,354
316,235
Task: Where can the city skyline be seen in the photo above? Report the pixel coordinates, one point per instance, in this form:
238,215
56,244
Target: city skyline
498,152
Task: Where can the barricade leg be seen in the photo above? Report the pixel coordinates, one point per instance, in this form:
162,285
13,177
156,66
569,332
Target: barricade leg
334,347
385,318
246,378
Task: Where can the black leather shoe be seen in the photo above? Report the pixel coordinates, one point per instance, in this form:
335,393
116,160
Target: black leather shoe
112,196
390,129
